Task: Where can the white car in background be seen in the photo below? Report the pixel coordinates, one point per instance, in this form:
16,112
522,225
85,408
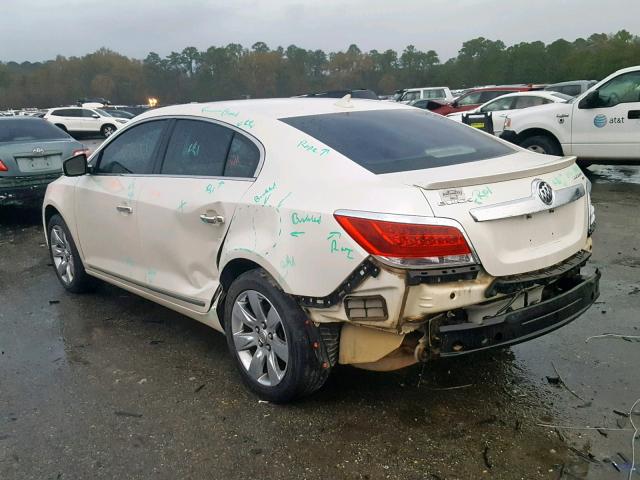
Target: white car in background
506,104
426,93
315,232
84,120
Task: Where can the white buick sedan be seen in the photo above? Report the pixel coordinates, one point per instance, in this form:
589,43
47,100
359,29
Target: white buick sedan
320,231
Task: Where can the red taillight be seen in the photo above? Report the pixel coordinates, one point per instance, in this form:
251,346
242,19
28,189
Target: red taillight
405,240
79,151
3,167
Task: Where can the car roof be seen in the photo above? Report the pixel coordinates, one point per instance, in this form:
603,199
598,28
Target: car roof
528,93
273,108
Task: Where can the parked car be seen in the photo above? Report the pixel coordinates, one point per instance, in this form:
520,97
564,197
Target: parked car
509,103
599,126
31,154
475,98
426,93
573,88
119,113
83,120
315,232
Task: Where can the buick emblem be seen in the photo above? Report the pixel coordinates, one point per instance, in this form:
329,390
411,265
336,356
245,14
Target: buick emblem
38,150
545,192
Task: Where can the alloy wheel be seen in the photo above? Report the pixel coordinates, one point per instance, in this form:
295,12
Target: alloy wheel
259,338
62,254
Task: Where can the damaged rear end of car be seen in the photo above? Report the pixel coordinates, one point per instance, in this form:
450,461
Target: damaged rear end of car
500,258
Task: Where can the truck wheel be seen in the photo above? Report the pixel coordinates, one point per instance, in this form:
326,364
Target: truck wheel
272,342
65,258
542,144
107,130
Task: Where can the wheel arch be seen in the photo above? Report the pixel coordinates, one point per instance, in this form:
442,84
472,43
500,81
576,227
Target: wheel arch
232,269
532,132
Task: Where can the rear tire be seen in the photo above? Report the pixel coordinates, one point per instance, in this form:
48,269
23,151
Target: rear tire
107,130
542,144
279,353
65,258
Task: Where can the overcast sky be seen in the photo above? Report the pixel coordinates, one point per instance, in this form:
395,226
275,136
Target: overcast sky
41,29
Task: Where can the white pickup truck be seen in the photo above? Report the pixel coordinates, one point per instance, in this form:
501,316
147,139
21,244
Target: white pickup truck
600,126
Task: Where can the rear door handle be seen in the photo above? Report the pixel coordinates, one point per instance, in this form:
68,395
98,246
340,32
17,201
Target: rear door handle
213,219
124,209
634,114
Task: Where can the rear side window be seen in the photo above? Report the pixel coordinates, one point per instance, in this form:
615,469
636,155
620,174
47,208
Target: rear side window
197,148
434,94
530,101
25,130
67,112
386,141
133,150
243,158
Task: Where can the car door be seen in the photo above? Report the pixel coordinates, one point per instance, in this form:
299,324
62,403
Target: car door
107,201
90,120
185,210
609,125
69,117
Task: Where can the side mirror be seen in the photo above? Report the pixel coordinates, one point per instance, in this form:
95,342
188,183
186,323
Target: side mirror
75,166
590,100
95,115
454,104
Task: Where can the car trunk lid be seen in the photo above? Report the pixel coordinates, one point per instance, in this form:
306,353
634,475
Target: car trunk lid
497,203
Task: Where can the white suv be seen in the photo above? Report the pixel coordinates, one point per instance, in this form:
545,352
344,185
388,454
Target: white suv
77,119
314,232
426,93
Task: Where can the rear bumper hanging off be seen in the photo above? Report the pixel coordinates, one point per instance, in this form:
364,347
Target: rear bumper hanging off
517,326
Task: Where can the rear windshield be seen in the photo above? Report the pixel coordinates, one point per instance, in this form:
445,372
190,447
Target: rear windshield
25,130
387,141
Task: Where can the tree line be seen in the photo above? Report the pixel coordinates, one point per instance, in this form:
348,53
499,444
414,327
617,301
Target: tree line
233,71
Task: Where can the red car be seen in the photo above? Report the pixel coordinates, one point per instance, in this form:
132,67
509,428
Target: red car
476,97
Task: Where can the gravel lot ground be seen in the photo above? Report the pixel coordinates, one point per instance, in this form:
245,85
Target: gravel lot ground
109,385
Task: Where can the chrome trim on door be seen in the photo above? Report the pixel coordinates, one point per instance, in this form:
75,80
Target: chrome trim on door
527,205
182,298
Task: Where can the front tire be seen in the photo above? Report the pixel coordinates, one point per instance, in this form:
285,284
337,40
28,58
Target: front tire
65,258
277,350
107,130
542,144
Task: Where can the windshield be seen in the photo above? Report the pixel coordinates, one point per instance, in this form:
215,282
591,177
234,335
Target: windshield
387,141
102,112
29,129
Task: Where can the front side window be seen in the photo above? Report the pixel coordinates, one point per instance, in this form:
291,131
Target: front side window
88,113
624,88
498,105
132,151
197,148
472,98
410,96
387,141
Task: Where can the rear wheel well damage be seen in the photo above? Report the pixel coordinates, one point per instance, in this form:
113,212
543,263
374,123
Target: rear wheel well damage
230,272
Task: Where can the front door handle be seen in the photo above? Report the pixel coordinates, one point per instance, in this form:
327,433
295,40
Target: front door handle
634,114
124,209
213,219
